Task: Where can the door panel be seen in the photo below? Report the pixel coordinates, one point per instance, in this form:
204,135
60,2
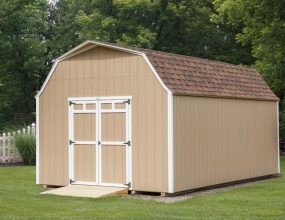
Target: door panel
113,161
85,163
100,154
85,127
113,126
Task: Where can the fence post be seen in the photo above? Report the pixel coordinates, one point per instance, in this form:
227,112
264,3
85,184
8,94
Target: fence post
9,148
1,149
5,153
33,128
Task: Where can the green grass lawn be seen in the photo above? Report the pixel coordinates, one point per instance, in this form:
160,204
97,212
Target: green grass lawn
20,199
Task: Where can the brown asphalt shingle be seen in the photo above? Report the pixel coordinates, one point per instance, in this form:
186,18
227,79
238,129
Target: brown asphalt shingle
185,75
201,77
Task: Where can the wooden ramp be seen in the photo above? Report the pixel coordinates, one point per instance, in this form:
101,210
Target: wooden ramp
87,191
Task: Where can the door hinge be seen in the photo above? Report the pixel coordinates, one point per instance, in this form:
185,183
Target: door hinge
128,101
71,103
71,181
127,143
71,142
128,184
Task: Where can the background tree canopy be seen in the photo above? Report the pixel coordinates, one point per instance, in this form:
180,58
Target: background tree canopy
33,33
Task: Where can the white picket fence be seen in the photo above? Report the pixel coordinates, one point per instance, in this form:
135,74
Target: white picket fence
8,151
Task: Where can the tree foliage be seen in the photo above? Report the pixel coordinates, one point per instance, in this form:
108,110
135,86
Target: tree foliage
261,24
33,33
182,27
22,57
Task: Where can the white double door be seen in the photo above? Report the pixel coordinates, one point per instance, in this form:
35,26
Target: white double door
100,141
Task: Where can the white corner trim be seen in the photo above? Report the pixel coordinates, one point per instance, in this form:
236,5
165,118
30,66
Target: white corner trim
170,154
37,140
278,147
48,77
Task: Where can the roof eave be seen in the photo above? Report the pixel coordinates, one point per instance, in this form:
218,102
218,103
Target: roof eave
228,97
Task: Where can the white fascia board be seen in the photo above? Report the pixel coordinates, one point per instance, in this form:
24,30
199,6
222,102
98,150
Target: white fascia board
117,48
74,49
66,55
37,141
48,77
278,147
155,73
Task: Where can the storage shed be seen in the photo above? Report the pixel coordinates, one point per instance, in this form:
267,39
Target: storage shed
152,121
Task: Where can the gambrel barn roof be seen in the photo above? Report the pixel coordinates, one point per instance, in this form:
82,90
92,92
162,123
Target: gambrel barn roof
201,77
185,75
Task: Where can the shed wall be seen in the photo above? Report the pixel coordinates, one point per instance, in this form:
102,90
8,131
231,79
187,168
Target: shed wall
222,140
106,72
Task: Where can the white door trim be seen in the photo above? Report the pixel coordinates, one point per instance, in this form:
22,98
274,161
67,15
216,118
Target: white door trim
71,113
97,98
118,143
98,101
70,147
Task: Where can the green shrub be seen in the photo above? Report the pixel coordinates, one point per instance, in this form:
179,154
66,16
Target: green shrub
26,145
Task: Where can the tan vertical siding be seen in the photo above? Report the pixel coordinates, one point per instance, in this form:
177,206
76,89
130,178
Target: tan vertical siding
222,140
105,72
113,164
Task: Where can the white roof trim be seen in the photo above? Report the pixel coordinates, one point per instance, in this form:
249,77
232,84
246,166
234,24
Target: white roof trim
67,55
117,47
155,73
48,78
73,50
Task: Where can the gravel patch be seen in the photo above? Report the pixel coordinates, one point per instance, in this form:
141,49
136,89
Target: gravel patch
190,195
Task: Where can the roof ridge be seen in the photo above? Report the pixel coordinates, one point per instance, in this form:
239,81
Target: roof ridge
200,58
184,74
141,49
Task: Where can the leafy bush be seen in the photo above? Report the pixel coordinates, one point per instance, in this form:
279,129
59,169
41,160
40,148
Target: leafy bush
26,145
